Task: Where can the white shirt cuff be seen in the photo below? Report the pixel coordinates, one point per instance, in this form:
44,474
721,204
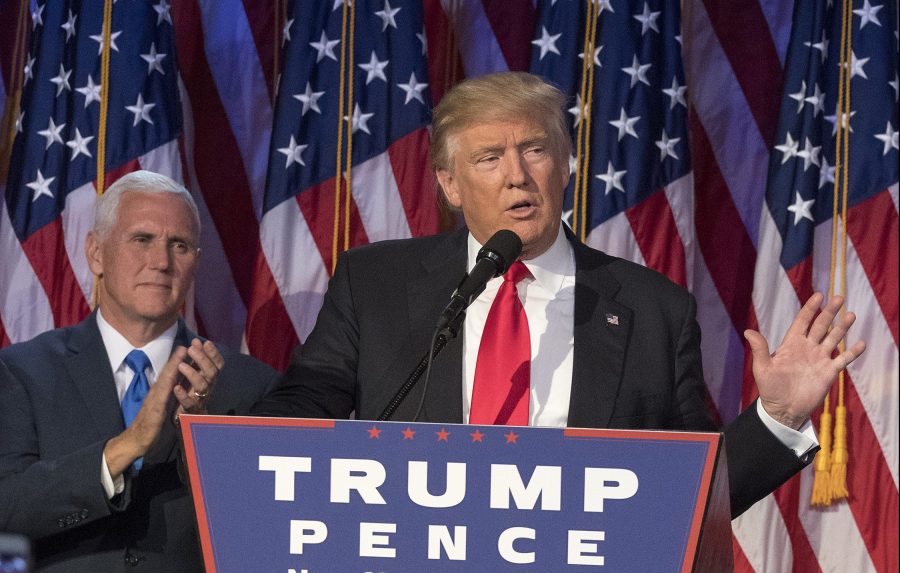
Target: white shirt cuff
799,441
112,487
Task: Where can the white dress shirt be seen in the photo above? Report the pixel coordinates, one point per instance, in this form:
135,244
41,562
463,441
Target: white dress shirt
549,303
117,348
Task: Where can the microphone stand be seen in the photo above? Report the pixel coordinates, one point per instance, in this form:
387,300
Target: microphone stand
443,337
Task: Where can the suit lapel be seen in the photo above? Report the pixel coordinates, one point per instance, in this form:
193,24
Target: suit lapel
429,292
89,369
602,330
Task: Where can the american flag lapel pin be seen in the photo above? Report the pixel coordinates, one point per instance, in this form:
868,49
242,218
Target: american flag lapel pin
612,319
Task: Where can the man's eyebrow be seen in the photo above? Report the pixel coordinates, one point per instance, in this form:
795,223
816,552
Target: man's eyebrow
498,148
141,233
541,139
170,239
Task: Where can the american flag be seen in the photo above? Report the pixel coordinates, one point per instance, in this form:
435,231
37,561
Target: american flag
810,175
50,189
349,154
713,216
630,194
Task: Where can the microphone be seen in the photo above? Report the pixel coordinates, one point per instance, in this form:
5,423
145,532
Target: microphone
494,259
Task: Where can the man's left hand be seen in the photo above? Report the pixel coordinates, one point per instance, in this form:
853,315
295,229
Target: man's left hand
795,379
200,377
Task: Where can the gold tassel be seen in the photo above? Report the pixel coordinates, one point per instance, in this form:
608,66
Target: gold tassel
821,493
839,455
830,482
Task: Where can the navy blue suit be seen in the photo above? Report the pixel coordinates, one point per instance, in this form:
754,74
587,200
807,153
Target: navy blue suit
58,408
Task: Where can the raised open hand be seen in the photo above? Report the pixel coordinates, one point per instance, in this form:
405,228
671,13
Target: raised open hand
795,379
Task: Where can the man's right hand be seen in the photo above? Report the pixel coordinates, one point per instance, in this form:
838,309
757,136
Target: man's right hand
122,450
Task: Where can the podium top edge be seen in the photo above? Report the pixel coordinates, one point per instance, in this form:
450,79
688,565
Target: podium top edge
677,435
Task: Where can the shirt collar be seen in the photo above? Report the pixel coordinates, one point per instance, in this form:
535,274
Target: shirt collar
118,347
549,269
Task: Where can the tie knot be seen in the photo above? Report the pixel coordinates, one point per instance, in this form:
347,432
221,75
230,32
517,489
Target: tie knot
517,271
137,361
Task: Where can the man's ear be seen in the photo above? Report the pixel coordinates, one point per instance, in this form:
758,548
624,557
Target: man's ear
448,186
565,172
93,255
566,175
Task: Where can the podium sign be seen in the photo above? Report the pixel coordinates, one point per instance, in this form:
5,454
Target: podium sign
313,496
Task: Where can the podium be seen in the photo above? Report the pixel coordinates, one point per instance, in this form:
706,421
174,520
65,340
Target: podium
311,496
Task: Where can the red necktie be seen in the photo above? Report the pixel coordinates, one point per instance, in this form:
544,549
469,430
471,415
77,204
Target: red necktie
502,387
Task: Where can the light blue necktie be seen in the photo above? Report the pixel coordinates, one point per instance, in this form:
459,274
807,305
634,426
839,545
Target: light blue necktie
137,390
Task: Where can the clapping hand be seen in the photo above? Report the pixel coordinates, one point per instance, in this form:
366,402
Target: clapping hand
199,377
190,375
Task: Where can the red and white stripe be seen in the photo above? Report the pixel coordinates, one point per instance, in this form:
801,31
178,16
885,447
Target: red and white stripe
734,67
228,115
271,273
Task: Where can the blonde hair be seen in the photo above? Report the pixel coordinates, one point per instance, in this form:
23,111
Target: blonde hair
106,211
502,96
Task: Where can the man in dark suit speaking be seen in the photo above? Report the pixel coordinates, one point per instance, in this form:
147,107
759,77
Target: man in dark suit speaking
569,336
88,448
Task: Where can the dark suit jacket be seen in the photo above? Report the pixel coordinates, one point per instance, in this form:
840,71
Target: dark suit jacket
382,305
58,408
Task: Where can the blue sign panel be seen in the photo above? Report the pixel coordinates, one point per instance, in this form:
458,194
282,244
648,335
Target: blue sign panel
320,496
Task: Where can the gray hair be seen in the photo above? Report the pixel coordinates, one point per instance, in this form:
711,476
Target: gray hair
106,212
498,97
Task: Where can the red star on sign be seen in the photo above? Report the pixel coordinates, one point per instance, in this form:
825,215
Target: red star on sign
477,436
443,435
374,433
511,437
408,433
